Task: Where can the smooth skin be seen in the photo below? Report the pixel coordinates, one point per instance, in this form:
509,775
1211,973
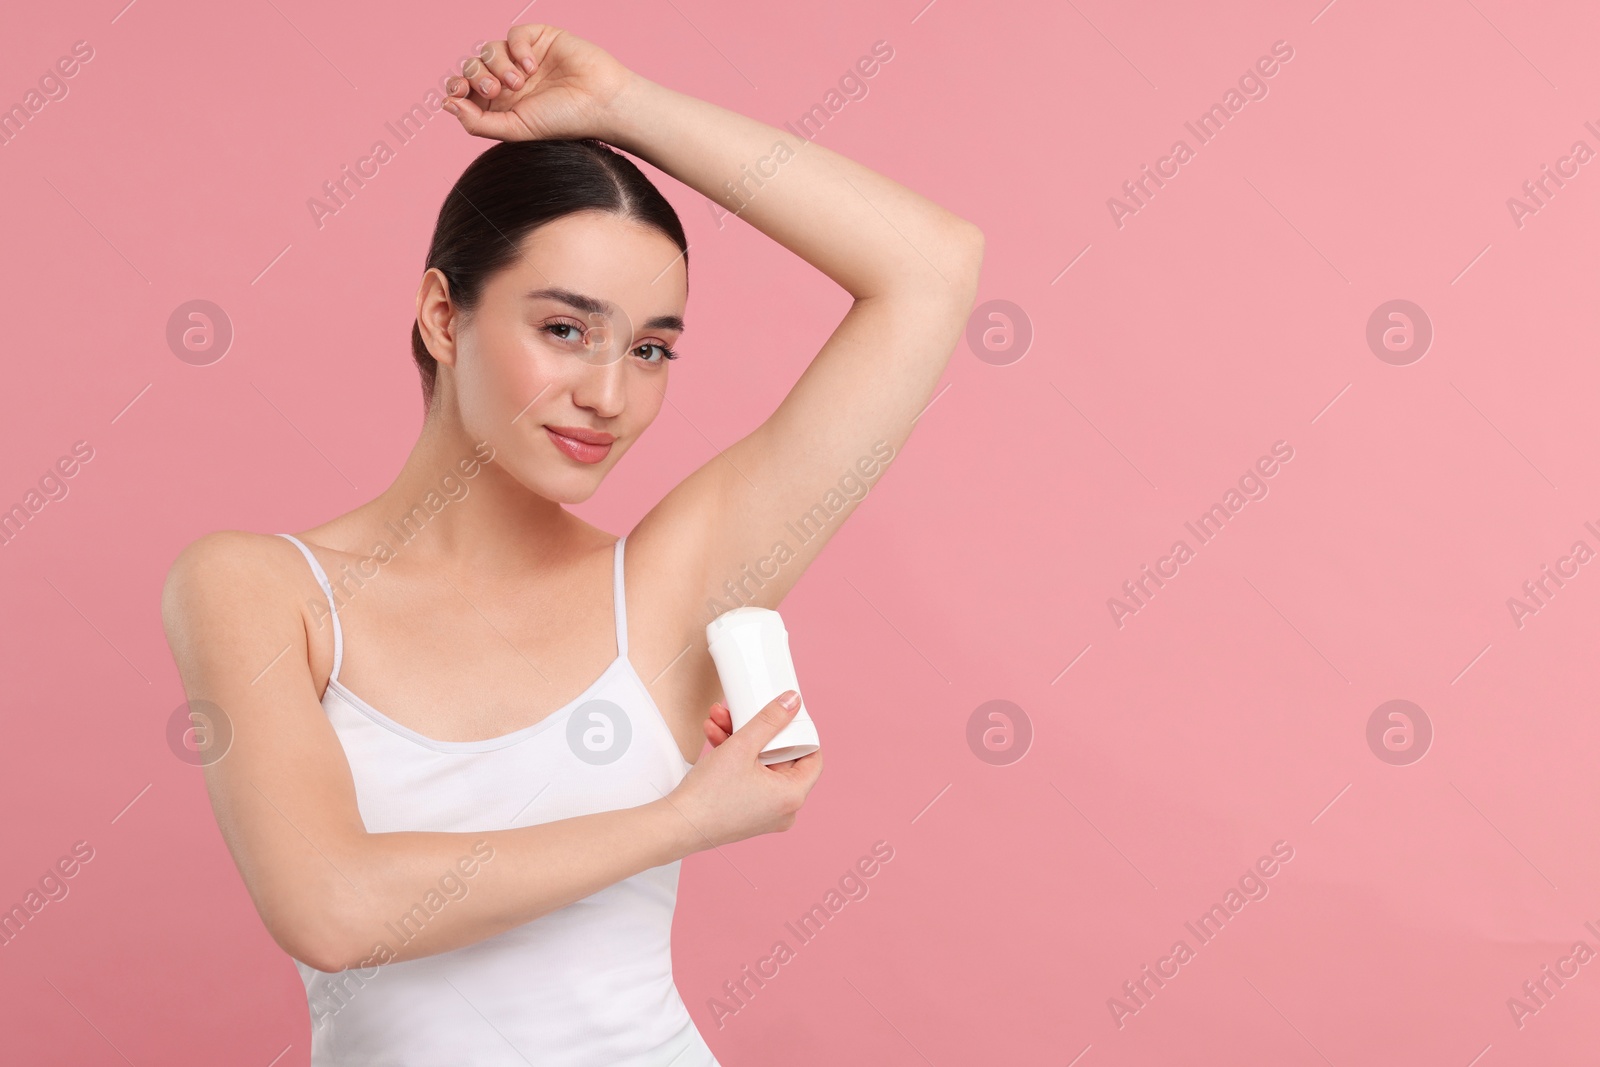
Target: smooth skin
499,612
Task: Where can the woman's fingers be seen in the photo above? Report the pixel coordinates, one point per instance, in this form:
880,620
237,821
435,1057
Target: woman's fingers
479,81
718,725
527,43
500,125
496,56
481,76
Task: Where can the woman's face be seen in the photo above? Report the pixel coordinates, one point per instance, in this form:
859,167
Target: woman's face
563,363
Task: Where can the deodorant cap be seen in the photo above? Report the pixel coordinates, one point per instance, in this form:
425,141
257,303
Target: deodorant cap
733,617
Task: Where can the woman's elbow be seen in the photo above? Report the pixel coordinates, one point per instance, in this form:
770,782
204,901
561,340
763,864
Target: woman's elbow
972,241
945,273
322,935
969,260
329,959
958,257
324,950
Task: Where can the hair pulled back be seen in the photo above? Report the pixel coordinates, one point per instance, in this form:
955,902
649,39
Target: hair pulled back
515,187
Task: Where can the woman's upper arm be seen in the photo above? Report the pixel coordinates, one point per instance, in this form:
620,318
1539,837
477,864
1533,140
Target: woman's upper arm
767,504
282,791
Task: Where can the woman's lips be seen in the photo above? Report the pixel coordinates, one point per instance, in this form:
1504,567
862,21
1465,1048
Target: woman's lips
582,451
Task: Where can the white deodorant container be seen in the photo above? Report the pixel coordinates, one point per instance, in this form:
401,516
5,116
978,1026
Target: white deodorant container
751,650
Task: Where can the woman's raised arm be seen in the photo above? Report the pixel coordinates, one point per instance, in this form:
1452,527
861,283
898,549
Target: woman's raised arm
911,266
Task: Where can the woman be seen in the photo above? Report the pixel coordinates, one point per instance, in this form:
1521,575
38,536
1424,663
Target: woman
484,871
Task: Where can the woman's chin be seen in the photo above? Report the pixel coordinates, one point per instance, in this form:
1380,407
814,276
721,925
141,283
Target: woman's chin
568,487
577,497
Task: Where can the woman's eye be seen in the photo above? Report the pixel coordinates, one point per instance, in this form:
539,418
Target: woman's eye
665,353
651,352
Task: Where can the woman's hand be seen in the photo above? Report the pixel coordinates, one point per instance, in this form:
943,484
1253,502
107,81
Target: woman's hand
539,84
729,795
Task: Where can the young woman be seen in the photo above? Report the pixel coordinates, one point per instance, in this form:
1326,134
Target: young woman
463,767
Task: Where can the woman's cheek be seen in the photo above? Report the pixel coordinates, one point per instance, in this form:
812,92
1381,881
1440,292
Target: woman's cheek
517,375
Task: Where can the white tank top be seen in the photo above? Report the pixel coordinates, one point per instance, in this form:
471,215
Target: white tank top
587,984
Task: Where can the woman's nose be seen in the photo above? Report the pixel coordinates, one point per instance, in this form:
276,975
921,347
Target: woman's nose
602,385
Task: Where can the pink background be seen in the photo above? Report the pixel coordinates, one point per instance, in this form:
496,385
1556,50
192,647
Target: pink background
1227,314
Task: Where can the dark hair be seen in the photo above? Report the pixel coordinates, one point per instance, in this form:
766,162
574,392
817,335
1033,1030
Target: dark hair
515,187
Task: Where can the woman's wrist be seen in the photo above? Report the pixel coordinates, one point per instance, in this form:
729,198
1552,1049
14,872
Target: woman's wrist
625,122
674,830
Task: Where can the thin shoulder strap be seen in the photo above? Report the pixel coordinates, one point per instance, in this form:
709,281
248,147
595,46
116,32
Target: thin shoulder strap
327,589
620,601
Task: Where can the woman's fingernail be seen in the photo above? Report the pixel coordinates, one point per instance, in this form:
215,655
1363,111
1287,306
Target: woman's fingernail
527,64
450,106
790,700
486,85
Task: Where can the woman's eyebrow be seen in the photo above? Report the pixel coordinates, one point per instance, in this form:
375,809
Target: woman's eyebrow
594,306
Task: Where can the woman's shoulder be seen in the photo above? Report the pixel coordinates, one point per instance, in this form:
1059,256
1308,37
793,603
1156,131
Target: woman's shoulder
232,553
234,602
230,571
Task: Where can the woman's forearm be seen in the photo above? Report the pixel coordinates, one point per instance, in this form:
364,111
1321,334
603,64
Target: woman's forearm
403,895
868,233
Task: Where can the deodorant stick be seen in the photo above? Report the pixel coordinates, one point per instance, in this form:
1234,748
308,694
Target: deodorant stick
751,650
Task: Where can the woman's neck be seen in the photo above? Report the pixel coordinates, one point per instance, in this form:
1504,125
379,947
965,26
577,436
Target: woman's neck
451,508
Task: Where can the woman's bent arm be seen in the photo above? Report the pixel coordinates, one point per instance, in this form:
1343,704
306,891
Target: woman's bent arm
911,266
870,234
329,892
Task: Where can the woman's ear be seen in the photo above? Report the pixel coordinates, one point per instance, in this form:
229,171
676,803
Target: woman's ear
436,316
